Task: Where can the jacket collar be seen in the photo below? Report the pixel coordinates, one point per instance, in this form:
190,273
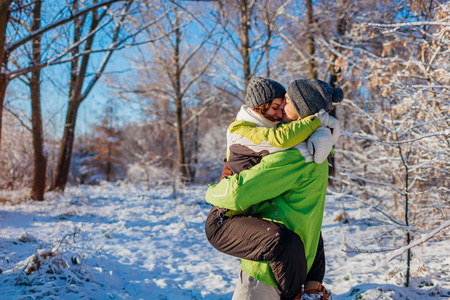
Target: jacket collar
249,115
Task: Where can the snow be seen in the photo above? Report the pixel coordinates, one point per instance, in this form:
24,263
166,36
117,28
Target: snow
118,241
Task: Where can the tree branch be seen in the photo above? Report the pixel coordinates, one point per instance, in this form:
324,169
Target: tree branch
82,12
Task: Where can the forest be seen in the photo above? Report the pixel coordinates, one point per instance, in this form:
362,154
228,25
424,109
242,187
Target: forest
164,79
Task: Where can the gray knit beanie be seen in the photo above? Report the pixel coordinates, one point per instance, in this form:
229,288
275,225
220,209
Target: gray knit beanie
311,95
261,90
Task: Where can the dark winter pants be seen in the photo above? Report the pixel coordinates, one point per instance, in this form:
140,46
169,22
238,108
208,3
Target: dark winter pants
260,240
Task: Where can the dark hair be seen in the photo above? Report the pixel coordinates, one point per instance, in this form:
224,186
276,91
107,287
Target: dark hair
262,108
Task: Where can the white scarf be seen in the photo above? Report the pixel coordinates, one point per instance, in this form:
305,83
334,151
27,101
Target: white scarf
249,115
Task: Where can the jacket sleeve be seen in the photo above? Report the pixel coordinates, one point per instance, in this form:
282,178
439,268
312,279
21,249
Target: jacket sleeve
276,174
283,137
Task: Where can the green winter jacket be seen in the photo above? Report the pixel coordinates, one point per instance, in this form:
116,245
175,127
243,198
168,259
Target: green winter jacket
257,133
296,190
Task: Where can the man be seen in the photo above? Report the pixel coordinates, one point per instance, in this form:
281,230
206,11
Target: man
288,188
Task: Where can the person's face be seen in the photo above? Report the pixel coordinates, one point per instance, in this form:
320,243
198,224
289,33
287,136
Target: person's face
290,113
276,110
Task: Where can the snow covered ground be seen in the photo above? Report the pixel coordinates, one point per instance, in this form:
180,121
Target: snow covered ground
117,241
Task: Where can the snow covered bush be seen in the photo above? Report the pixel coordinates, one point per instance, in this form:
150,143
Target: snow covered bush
49,261
53,268
395,152
147,174
16,159
211,154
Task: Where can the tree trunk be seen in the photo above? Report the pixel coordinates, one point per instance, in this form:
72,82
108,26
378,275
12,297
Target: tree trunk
245,41
194,156
406,164
3,84
65,153
40,159
109,163
181,157
335,73
183,168
310,46
269,34
4,13
78,75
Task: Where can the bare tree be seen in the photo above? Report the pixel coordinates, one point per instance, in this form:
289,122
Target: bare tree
310,44
312,34
79,89
169,84
103,17
4,17
237,14
249,26
40,158
10,45
399,123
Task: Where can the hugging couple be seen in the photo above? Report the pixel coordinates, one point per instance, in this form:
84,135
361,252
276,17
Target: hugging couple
268,207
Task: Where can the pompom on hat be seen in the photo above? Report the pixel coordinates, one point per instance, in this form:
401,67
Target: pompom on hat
262,90
309,96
